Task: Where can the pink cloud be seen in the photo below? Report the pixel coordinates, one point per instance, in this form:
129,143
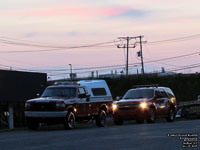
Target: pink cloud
66,11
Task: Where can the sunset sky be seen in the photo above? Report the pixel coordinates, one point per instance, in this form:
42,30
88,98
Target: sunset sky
28,25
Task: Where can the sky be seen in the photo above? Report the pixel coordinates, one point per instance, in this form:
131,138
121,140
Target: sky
59,25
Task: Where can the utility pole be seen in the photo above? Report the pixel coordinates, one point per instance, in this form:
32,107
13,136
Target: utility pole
127,49
140,37
140,53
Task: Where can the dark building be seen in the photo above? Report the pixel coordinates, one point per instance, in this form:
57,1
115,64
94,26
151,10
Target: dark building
15,88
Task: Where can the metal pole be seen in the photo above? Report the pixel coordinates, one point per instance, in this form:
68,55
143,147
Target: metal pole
127,56
71,71
11,117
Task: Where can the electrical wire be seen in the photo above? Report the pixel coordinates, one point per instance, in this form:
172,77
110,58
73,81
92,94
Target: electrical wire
5,41
175,57
184,67
179,39
103,67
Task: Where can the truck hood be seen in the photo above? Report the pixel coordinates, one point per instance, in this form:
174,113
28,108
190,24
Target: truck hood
49,99
131,100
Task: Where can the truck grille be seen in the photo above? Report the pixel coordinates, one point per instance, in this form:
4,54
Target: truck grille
128,106
43,106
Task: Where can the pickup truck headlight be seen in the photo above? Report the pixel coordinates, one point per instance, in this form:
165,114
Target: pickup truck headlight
114,107
27,106
143,105
60,105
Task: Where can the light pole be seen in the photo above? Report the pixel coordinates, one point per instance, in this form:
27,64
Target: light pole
70,71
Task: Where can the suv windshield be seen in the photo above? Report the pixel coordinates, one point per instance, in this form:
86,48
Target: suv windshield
67,92
139,93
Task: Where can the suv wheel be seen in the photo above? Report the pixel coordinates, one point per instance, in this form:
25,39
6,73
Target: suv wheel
152,116
118,121
69,120
101,118
32,124
171,115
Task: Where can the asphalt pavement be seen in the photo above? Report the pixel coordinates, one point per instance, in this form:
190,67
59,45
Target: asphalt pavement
131,136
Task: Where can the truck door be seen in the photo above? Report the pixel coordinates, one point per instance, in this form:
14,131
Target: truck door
83,106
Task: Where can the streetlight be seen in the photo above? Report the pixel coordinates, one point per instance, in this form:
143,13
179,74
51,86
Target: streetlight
70,71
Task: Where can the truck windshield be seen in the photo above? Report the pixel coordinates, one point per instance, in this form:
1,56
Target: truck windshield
139,93
66,92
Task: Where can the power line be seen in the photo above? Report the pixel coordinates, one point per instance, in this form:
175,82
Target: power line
19,43
93,70
179,39
109,66
185,67
53,47
175,57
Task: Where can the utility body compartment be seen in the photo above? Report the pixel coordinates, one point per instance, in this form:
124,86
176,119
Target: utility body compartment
98,89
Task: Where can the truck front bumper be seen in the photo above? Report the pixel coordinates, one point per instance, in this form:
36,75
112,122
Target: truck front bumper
46,114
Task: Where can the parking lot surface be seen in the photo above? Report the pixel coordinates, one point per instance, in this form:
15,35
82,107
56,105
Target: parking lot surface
129,136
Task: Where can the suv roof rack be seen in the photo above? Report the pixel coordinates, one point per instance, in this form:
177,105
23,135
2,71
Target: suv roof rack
150,85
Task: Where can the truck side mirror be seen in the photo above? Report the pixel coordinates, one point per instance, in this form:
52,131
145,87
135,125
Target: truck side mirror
118,98
87,97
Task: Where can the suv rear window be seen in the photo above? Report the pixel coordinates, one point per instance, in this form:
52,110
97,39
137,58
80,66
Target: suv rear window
139,93
99,91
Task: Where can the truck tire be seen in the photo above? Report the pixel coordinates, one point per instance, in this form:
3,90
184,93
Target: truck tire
152,117
69,121
101,118
171,115
32,124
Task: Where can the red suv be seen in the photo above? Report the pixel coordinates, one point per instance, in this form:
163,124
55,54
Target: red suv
145,102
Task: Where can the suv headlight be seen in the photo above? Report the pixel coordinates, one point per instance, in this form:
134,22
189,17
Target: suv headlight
114,107
143,105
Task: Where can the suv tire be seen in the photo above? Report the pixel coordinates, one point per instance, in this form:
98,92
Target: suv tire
152,117
171,115
101,118
32,124
69,121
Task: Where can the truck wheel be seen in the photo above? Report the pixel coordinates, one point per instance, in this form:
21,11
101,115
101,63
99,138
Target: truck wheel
118,121
171,115
32,124
101,118
140,121
69,121
152,117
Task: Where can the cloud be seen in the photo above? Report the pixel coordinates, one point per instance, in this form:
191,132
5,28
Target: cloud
65,11
73,33
31,34
133,14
